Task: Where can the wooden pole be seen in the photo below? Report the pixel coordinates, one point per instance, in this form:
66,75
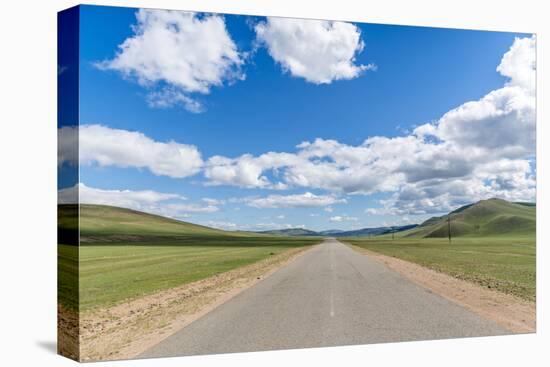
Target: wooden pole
449,226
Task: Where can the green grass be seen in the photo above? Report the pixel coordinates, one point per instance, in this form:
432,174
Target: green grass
110,273
503,263
493,217
67,275
124,254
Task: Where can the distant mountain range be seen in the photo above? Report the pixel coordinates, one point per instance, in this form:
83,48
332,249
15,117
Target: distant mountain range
483,218
340,233
291,232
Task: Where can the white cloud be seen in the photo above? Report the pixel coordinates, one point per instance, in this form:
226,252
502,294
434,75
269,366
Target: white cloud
280,216
502,121
306,200
224,225
273,226
211,201
170,97
261,226
67,145
246,170
318,51
122,148
480,149
189,208
166,204
511,180
339,218
483,148
519,64
121,198
186,52
242,172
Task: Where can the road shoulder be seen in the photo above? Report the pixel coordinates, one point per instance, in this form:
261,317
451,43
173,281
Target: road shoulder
512,313
126,330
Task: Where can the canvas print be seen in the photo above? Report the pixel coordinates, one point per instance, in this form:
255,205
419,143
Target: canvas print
237,183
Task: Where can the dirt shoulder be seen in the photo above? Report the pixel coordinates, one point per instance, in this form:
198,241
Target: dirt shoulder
512,313
126,330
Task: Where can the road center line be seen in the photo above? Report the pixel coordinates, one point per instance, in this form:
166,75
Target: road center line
331,284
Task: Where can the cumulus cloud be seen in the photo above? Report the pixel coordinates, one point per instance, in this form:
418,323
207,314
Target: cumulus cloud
170,97
175,54
483,148
106,146
246,170
261,226
322,164
509,180
503,121
519,64
272,226
318,51
224,225
166,204
122,198
306,200
67,145
211,201
340,218
189,208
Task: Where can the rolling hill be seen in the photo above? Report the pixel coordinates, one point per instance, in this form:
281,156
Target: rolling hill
330,232
490,217
102,221
485,218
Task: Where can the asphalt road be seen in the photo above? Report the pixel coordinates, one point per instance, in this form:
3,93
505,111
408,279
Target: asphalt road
330,296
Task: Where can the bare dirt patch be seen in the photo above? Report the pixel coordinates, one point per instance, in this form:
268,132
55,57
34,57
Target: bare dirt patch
127,329
67,332
512,313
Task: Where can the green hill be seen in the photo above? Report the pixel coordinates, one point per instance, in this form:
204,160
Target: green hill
101,221
490,217
125,254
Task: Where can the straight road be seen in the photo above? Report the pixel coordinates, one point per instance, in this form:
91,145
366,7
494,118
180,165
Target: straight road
330,296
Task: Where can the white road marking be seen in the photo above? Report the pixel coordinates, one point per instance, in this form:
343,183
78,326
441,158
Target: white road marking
331,285
331,305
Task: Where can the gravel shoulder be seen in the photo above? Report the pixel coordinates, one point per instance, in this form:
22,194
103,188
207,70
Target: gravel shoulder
127,329
512,313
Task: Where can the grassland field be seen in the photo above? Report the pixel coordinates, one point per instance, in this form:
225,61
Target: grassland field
125,254
113,272
503,263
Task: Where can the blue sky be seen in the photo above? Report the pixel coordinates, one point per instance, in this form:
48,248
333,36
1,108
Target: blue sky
393,80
